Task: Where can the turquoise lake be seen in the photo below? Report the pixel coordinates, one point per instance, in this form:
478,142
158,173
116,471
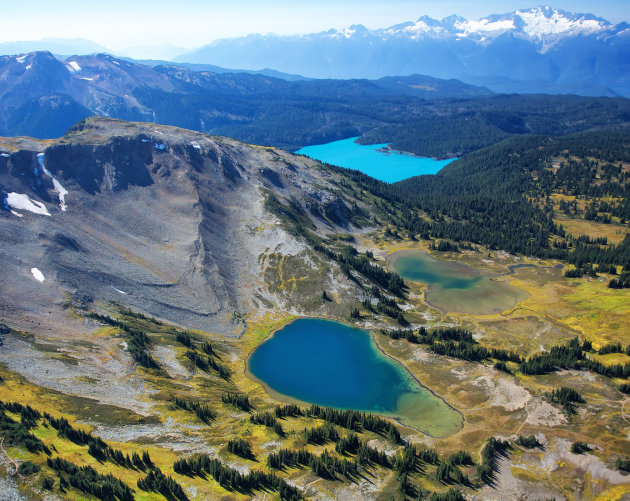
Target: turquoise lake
332,364
389,166
454,286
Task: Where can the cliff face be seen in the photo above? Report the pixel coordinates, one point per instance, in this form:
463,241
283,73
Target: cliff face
166,221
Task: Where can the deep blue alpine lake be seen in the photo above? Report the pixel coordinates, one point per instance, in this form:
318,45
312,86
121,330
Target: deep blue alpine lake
389,166
332,364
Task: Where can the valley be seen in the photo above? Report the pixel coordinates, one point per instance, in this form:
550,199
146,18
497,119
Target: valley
150,321
449,120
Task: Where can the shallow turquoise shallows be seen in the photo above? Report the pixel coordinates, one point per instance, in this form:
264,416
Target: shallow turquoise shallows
456,287
332,364
420,267
389,166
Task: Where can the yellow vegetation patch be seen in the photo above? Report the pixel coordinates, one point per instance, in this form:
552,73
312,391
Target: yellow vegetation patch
601,314
615,233
525,473
616,493
583,306
260,328
611,358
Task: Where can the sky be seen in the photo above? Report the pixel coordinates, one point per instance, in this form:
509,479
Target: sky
120,24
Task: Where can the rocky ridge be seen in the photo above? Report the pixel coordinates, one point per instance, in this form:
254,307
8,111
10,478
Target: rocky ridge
163,220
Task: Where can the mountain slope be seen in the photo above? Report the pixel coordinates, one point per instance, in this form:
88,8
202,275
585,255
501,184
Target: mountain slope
542,48
170,222
43,96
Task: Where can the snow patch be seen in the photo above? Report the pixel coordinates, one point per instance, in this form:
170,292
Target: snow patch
159,146
29,67
37,275
484,26
61,191
118,290
144,140
86,78
16,214
418,30
22,201
537,24
5,155
195,145
21,59
74,66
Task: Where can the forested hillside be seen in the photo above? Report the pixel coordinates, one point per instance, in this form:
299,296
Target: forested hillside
502,196
303,113
419,114
453,127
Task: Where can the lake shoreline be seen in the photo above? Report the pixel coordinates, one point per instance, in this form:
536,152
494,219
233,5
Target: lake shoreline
379,353
453,286
372,334
378,160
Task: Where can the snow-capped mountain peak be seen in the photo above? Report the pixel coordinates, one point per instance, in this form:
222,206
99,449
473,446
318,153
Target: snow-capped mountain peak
541,25
571,51
544,21
484,27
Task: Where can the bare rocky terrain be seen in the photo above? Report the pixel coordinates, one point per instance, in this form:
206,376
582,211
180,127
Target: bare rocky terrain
166,221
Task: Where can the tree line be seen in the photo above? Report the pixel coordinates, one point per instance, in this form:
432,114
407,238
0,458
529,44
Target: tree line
232,479
458,343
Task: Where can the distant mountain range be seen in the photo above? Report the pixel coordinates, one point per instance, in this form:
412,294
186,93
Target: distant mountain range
535,50
219,69
539,50
42,96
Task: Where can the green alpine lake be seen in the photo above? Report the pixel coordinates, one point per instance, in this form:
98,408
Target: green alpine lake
454,286
375,160
335,365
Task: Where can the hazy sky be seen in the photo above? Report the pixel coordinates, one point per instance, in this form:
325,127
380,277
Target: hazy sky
118,24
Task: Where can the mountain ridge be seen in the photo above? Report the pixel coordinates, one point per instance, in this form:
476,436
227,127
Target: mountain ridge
43,96
197,264
548,44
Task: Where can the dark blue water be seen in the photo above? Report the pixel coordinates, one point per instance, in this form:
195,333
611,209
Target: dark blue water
389,166
334,365
330,364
